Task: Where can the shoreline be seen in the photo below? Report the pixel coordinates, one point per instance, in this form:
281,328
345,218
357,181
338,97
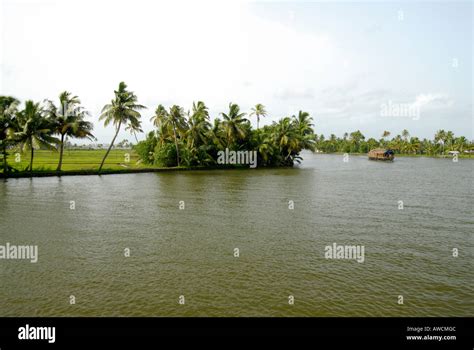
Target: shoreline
53,173
90,172
461,156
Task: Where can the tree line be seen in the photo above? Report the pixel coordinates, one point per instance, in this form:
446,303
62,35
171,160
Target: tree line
355,142
180,139
190,139
47,125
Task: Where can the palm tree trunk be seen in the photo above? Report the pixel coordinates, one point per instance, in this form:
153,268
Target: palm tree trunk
258,120
176,144
61,153
110,147
31,159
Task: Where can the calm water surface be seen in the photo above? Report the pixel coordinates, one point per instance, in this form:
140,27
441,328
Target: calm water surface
190,252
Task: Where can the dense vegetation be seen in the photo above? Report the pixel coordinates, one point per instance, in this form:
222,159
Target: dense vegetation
188,138
355,142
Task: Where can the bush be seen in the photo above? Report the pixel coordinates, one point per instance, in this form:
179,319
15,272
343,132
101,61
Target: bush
165,155
145,149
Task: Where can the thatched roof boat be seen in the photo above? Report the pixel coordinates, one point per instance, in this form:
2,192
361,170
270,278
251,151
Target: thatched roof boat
381,154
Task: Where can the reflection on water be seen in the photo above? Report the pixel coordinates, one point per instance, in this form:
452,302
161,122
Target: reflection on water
190,252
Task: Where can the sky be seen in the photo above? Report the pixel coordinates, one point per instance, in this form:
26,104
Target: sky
346,63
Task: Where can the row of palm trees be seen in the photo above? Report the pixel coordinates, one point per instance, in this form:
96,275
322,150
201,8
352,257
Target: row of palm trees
180,138
190,139
355,142
48,125
41,125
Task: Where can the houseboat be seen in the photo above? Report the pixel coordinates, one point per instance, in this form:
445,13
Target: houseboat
381,154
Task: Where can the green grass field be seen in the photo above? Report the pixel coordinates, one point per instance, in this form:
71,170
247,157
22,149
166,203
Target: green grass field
76,160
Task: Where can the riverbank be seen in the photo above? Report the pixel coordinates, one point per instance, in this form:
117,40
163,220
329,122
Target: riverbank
406,155
86,162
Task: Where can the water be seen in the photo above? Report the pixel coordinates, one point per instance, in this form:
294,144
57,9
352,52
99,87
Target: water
190,252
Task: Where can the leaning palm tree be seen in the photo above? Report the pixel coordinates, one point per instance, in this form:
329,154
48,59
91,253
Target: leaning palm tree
259,111
34,130
8,110
123,109
68,121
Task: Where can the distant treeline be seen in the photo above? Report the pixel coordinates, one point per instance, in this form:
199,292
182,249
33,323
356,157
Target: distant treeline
356,142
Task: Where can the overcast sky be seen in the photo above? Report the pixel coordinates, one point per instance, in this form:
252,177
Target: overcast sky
340,61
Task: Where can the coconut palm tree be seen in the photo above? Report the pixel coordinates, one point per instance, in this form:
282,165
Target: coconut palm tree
258,111
449,139
405,134
440,138
199,125
34,130
234,124
123,110
286,137
414,145
304,123
8,110
175,118
355,139
68,121
461,143
159,118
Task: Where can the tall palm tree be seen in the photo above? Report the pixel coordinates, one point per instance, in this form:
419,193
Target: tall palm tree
8,110
68,121
440,138
405,134
34,130
258,111
123,109
304,128
233,124
160,116
177,122
304,123
449,139
385,136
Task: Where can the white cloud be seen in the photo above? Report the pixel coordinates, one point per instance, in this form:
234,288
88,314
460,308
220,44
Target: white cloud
433,100
175,52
